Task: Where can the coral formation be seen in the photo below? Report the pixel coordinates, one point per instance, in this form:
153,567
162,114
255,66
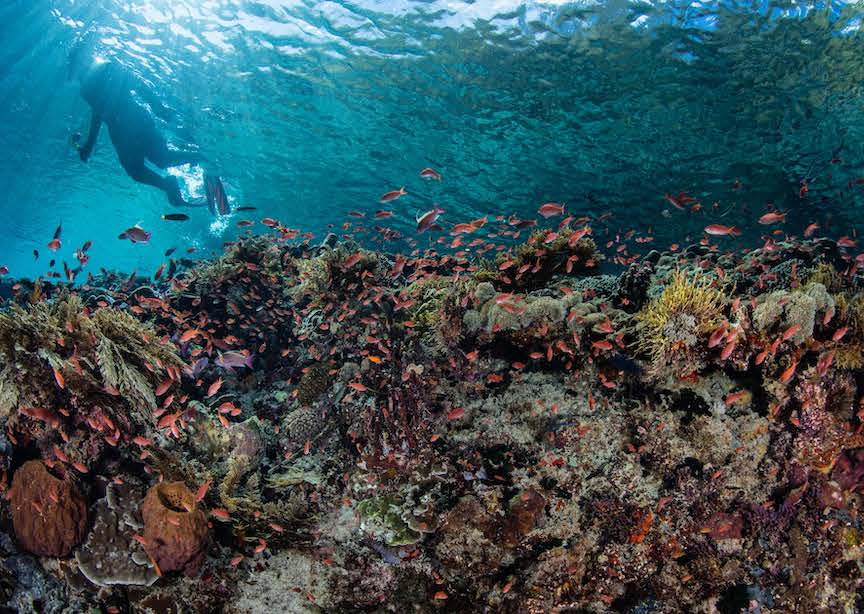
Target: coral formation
111,555
49,514
673,329
105,357
386,432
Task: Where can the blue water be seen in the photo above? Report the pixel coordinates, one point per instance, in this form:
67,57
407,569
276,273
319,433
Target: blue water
309,110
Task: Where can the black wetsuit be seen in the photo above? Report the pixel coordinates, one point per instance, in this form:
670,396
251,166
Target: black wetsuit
129,107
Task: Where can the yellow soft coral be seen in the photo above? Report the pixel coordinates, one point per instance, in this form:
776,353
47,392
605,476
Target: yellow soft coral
672,327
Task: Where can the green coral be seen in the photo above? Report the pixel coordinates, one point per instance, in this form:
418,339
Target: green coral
826,275
384,518
92,352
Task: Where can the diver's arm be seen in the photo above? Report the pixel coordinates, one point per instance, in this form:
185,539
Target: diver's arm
87,148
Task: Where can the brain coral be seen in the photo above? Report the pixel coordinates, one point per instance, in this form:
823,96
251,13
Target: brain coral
175,528
49,514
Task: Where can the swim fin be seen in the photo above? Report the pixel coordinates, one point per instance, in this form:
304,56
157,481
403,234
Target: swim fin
217,200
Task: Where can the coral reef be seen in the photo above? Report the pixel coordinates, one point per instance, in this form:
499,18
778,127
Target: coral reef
49,514
64,366
337,429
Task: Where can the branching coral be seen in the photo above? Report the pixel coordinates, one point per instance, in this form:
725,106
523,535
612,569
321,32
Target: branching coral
673,328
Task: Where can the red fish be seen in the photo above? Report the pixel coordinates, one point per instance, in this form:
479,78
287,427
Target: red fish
189,334
733,397
789,332
58,377
811,229
214,387
824,363
455,414
719,230
578,234
55,243
717,337
392,195
788,373
840,333
681,201
728,349
773,218
548,210
428,173
428,219
202,491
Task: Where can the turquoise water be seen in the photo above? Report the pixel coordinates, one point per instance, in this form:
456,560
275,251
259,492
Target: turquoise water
309,110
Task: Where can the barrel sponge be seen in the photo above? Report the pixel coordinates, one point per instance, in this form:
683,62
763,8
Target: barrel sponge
175,528
49,514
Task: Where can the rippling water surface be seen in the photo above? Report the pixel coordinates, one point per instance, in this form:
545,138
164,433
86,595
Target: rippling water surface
309,110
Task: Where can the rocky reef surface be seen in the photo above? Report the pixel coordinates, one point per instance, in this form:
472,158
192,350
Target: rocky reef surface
327,428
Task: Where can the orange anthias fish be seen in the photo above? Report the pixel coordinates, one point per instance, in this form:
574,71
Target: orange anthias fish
392,195
428,219
681,201
773,218
719,230
548,210
429,173
55,243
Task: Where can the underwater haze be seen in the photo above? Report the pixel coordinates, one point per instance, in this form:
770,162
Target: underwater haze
309,110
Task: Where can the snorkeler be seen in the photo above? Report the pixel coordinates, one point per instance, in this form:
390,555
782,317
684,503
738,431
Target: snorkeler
130,108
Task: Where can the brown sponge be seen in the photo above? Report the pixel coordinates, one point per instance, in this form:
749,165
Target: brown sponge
49,514
175,528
